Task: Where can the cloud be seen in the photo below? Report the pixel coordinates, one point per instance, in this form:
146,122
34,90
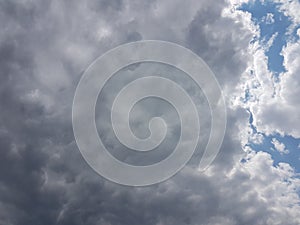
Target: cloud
275,105
44,180
272,98
269,18
280,147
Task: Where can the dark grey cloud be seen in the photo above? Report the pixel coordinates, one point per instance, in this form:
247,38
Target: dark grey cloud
45,47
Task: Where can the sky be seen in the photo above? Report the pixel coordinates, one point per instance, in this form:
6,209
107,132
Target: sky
253,48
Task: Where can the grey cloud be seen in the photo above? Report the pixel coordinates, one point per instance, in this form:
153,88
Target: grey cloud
44,179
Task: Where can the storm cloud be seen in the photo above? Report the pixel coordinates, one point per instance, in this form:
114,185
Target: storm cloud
45,48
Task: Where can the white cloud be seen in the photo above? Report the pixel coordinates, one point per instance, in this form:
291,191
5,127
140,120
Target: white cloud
274,104
257,138
269,18
291,9
280,147
271,41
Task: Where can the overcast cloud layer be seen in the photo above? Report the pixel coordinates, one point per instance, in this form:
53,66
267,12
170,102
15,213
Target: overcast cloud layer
44,49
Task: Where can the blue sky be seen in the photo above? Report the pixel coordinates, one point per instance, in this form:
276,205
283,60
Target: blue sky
272,21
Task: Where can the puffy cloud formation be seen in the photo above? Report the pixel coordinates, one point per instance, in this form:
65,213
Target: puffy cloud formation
280,147
273,99
44,49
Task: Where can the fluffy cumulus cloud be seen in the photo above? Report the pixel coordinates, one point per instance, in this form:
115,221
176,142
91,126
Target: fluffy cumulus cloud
44,49
273,98
280,147
275,104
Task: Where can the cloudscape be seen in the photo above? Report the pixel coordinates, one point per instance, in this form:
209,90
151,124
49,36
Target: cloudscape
251,47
